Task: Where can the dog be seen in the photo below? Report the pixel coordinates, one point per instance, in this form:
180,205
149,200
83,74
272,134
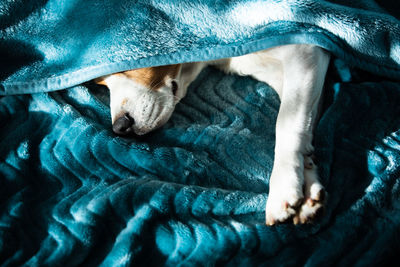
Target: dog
142,100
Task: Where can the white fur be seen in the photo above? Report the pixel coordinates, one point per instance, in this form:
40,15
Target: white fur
150,108
297,73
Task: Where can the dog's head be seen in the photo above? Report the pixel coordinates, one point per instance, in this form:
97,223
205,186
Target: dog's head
143,100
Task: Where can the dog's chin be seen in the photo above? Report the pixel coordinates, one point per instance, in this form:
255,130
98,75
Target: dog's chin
131,133
141,136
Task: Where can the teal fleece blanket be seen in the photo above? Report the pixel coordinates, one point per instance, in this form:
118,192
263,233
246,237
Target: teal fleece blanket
193,192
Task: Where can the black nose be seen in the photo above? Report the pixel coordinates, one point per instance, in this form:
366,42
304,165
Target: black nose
122,125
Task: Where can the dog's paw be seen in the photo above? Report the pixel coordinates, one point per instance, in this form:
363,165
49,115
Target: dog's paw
315,195
283,201
281,210
292,201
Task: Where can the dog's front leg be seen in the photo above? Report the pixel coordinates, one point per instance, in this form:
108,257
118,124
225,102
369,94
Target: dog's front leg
295,193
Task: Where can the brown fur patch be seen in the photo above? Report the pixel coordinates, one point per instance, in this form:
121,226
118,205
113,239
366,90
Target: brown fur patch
100,80
153,77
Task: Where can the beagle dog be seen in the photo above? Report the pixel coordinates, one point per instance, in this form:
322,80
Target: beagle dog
142,100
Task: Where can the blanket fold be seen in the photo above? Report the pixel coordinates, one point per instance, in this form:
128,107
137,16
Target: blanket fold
194,191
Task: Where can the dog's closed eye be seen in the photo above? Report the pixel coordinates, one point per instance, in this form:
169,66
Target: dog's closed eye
174,85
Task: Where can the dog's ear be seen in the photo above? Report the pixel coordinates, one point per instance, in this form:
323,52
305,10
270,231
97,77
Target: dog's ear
100,80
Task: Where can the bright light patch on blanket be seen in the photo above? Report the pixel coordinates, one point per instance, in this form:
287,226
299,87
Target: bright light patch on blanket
165,240
260,12
375,184
335,23
53,52
395,52
23,150
218,26
80,93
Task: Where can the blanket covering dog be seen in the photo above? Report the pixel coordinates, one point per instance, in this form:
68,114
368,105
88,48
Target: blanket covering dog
193,192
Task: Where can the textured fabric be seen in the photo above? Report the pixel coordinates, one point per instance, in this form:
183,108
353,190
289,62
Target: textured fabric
193,192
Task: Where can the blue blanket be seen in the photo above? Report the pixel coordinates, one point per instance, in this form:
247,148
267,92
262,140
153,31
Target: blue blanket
193,192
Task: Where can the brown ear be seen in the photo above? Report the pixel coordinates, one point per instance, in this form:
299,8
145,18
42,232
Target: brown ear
100,80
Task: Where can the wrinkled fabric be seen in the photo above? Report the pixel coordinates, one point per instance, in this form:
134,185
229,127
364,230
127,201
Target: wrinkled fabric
194,191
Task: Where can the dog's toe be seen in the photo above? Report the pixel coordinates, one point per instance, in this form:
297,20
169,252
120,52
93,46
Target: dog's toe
279,210
315,199
309,212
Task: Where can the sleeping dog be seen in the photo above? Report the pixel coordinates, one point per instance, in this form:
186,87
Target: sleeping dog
142,100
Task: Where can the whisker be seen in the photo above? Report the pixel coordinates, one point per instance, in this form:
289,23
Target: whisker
155,86
160,100
173,96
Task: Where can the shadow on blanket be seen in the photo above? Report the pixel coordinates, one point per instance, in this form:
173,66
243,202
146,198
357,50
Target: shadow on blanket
16,54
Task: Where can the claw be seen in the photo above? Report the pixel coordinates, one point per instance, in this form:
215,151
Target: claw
296,219
270,222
